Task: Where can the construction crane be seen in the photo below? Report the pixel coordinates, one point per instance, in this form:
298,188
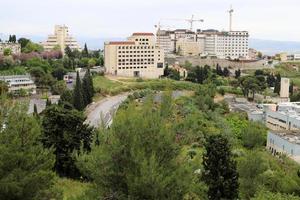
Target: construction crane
230,11
190,21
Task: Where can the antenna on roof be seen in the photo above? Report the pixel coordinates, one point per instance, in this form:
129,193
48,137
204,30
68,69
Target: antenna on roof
230,17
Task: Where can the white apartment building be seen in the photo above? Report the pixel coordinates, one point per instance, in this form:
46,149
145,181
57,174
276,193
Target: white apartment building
17,82
14,47
139,56
285,117
62,39
232,44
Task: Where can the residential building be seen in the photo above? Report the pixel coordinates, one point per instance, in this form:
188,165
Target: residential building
232,44
182,71
286,116
252,54
139,56
61,38
19,82
284,142
14,47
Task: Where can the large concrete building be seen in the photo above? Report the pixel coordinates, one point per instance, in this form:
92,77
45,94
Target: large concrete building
284,142
19,82
62,39
14,47
139,56
232,44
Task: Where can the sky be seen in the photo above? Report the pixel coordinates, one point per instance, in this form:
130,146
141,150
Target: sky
264,19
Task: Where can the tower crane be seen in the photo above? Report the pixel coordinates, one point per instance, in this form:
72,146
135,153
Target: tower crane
190,21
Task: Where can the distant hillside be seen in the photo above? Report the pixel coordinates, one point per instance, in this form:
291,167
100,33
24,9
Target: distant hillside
272,47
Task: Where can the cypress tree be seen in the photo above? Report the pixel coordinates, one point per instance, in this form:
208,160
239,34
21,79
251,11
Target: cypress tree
78,100
277,84
88,88
35,112
220,173
48,102
85,52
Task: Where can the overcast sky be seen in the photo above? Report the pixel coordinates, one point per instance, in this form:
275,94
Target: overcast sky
264,19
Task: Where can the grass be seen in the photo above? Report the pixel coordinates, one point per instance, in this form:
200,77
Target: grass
71,188
106,86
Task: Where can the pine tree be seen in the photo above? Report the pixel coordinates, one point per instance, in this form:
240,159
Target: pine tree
220,172
78,100
26,167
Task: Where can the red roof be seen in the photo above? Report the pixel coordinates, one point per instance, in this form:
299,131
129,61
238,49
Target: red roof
143,34
122,43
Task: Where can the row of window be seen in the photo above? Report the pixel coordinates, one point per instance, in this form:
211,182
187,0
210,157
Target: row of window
136,47
136,63
136,52
123,60
137,67
136,56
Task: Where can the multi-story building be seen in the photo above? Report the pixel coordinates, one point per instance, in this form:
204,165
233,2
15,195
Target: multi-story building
139,56
285,117
62,39
232,44
284,142
14,47
19,82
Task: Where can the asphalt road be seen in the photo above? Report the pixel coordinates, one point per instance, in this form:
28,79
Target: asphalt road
103,111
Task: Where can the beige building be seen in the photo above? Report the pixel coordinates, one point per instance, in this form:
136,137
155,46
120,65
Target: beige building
137,57
285,88
14,47
62,39
189,48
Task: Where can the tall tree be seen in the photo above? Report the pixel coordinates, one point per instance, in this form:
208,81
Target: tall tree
65,132
69,52
23,42
85,51
220,172
25,166
88,88
277,83
237,73
78,99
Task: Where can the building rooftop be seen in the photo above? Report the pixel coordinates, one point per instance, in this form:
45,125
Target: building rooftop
122,43
142,34
291,136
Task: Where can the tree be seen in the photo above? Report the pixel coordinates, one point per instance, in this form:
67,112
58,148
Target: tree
220,172
88,88
291,88
59,73
253,136
32,47
25,166
92,62
23,42
68,52
3,88
59,87
271,80
7,52
85,51
226,72
65,132
78,98
237,73
137,158
35,111
67,96
251,167
277,84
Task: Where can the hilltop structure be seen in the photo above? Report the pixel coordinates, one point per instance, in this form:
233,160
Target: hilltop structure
139,56
61,39
213,43
14,47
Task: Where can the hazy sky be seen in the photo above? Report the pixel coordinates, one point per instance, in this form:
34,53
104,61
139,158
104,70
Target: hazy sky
265,19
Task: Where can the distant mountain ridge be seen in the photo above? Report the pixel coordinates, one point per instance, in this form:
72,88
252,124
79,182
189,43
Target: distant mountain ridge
269,47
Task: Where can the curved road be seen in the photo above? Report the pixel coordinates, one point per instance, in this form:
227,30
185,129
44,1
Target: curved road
103,110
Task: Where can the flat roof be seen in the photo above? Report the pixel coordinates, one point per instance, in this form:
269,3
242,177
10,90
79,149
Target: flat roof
290,136
142,34
122,43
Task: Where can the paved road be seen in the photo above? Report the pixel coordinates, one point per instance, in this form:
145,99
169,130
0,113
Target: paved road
104,110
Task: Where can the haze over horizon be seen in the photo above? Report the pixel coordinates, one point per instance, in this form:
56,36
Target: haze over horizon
119,18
